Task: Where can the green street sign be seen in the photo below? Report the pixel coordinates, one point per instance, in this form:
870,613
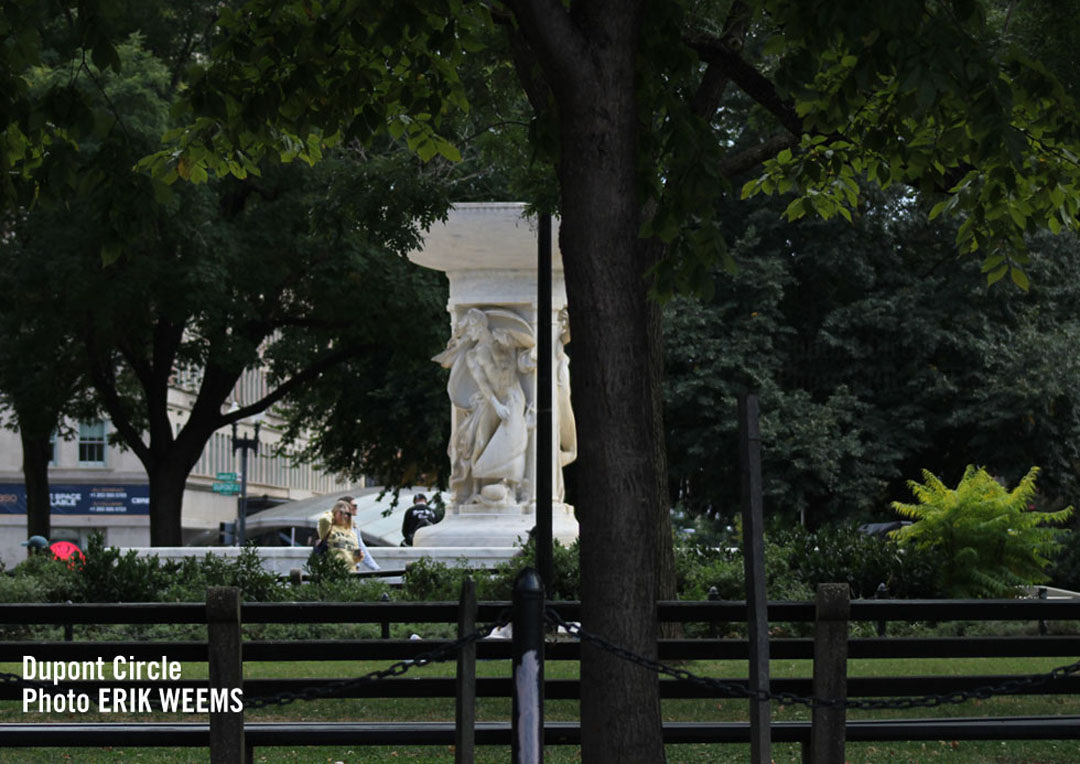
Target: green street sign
227,488
227,477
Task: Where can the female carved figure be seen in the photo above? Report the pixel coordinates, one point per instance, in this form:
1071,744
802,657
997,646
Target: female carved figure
487,354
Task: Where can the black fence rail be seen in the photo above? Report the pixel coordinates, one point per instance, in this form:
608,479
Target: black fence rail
231,738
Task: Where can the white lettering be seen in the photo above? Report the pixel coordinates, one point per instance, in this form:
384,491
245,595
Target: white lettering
61,702
59,671
201,700
170,699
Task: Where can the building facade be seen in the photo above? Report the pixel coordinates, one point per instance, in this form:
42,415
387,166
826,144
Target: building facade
97,487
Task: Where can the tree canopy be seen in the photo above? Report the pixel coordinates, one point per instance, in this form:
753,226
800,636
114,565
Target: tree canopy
289,273
875,356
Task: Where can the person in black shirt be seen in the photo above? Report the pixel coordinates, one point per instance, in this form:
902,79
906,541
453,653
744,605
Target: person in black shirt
417,516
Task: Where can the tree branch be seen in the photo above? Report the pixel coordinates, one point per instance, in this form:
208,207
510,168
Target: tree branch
714,82
103,373
749,158
749,80
557,43
310,372
528,69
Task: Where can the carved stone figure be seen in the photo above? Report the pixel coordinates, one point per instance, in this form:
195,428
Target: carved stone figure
487,355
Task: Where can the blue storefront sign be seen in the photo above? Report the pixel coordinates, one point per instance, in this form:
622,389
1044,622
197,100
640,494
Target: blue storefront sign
71,499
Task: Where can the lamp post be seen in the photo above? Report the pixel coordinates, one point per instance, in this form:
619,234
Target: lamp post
244,445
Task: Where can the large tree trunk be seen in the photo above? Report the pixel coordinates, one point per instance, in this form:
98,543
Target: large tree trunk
649,254
616,393
167,480
36,454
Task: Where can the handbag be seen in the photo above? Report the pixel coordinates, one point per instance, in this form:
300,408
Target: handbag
323,545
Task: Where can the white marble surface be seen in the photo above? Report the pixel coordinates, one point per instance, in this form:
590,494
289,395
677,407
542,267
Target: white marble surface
475,231
489,254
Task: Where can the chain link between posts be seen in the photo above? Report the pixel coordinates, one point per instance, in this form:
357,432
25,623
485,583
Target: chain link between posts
727,689
438,655
442,653
739,690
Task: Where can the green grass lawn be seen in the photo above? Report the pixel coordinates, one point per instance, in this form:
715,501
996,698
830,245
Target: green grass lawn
498,709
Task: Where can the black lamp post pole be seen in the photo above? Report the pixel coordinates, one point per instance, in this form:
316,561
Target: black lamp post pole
243,445
544,427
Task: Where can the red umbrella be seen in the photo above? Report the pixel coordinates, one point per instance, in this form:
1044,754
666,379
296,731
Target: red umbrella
65,550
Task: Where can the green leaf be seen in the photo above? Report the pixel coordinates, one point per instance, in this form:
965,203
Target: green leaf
111,252
163,192
1017,216
426,149
996,275
796,209
1020,278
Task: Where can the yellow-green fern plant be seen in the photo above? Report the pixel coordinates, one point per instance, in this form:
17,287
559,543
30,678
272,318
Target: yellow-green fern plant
989,541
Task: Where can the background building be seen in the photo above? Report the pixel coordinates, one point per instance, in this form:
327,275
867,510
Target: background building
95,486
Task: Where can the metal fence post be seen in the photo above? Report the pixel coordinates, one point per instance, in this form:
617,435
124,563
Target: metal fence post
465,709
227,745
830,672
384,627
527,725
1043,630
713,596
69,630
882,593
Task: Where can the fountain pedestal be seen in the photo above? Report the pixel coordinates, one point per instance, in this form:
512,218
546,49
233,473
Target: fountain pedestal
489,254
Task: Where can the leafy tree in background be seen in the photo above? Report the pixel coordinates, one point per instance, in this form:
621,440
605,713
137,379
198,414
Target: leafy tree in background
873,354
990,539
292,271
43,380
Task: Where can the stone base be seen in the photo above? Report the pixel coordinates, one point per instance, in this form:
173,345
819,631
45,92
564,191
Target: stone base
475,526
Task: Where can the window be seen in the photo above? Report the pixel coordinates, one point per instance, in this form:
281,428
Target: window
52,449
92,443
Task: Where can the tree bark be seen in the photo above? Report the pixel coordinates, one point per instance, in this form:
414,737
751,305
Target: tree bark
588,61
167,481
36,454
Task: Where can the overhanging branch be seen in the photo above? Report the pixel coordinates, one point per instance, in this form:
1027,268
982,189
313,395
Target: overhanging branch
750,158
756,85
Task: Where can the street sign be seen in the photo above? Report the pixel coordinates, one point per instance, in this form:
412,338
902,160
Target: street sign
227,477
227,488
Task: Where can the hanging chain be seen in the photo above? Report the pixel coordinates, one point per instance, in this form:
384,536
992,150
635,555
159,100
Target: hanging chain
439,654
740,690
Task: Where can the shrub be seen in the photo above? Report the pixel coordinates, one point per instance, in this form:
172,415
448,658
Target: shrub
1065,572
988,541
436,581
565,567
326,567
433,581
106,575
41,578
843,554
699,567
191,577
